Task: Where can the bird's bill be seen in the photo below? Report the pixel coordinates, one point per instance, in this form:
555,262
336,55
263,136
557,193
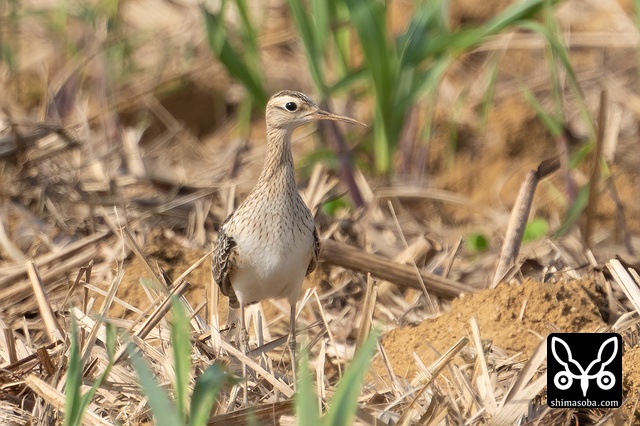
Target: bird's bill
325,115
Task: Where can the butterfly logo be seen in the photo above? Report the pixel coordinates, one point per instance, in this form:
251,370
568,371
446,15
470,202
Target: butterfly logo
564,379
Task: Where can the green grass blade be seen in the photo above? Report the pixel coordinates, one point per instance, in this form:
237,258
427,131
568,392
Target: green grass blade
369,19
205,392
321,19
232,59
310,33
250,48
73,412
581,155
112,339
341,36
181,355
8,56
575,211
554,72
381,142
344,403
517,12
111,350
553,125
306,402
487,98
428,82
561,53
163,409
349,80
423,42
423,28
249,33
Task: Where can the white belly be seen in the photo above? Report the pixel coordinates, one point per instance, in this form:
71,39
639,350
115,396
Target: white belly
274,270
274,239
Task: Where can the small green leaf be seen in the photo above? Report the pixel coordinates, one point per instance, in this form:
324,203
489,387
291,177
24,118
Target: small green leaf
330,208
535,230
477,243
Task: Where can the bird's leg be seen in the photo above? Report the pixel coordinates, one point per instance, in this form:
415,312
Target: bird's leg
292,343
244,346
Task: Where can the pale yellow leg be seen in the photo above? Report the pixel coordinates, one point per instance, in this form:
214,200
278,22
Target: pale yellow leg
292,343
244,345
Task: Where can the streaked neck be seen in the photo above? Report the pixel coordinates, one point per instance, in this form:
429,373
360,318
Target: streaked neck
278,162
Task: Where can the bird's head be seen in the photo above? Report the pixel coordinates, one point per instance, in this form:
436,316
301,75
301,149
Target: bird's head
289,109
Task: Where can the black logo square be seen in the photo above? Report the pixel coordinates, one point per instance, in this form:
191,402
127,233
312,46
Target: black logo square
584,370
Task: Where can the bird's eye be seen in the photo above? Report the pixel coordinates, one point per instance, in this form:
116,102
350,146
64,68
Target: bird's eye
291,106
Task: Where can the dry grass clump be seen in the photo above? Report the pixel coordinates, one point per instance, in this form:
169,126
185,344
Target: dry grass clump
474,375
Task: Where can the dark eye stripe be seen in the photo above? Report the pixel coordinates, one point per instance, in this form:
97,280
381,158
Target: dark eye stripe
291,106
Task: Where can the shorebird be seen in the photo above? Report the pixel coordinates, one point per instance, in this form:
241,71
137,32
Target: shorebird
269,244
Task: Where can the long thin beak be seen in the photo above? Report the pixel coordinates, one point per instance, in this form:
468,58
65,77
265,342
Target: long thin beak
324,115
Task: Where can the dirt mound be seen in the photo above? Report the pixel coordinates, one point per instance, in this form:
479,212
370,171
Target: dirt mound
170,259
514,318
631,378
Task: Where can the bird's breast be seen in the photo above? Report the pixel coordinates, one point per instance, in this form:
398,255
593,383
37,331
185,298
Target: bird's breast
274,242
